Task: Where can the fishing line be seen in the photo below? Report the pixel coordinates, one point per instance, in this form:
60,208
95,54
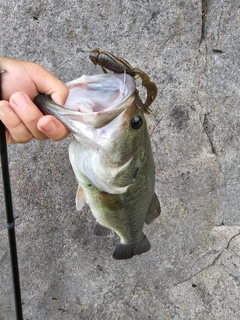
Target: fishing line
10,218
124,82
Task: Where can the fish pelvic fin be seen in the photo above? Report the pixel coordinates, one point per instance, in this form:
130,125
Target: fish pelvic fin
102,231
154,210
80,198
127,251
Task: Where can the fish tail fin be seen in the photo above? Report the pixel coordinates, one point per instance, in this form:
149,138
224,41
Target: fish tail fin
126,251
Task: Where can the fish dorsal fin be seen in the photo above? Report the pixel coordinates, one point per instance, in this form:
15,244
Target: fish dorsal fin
154,210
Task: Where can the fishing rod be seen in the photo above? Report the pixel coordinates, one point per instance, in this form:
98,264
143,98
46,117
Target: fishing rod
10,217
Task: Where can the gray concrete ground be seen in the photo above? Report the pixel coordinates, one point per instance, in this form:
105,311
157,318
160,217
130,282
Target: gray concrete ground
191,50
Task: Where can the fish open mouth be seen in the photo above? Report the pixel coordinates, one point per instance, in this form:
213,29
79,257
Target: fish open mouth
99,93
93,101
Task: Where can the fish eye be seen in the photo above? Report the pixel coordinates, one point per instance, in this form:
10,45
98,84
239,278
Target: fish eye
136,122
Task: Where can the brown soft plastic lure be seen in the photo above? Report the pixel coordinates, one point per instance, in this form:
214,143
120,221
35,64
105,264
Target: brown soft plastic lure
108,61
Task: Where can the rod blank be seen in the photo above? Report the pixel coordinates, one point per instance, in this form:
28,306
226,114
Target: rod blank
10,218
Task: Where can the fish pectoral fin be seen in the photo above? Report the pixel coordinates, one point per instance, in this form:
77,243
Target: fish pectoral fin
126,251
154,210
102,231
80,198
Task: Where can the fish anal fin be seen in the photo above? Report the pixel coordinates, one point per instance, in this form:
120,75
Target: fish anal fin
102,231
126,251
154,209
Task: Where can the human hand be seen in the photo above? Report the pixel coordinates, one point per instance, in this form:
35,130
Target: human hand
21,83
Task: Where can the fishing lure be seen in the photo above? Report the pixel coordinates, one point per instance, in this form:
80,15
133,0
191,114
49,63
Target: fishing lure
107,61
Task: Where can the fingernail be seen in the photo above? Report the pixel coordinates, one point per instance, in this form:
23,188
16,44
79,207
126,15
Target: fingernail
20,100
50,127
4,108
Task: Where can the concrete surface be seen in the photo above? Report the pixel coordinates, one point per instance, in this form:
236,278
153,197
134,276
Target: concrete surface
191,50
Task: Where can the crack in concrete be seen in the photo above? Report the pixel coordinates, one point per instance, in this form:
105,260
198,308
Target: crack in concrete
218,30
205,128
203,17
157,124
213,263
236,254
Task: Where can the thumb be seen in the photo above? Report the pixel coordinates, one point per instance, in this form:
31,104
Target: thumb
47,83
61,95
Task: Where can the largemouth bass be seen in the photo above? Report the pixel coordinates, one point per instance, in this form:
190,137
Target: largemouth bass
111,156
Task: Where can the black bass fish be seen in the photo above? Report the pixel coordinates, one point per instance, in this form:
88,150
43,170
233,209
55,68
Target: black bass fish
111,156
